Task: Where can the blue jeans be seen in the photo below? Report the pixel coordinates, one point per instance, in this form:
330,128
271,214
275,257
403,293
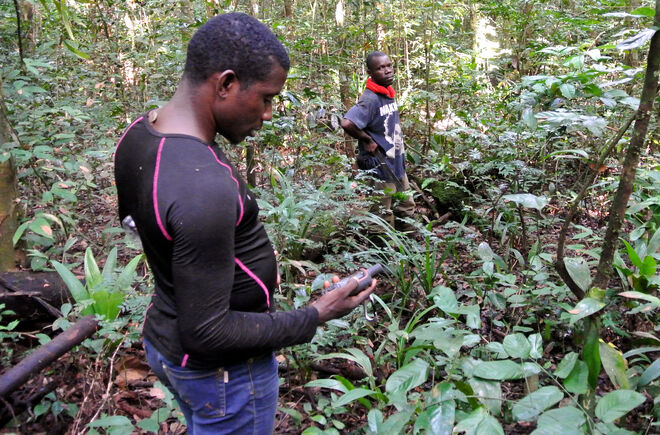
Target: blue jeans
237,399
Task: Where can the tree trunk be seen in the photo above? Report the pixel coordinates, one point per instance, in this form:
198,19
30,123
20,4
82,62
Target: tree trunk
8,195
620,203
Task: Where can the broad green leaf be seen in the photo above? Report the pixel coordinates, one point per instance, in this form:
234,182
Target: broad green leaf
560,421
618,403
586,307
489,425
579,270
502,370
107,304
471,422
527,200
614,364
76,288
536,341
437,420
637,40
517,345
114,420
352,396
567,90
528,118
396,422
654,243
408,377
536,402
632,254
489,393
650,374
577,381
19,232
591,354
42,227
648,266
644,11
93,275
445,299
332,384
638,295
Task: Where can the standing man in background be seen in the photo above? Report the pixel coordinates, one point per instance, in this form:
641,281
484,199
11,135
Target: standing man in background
374,122
212,327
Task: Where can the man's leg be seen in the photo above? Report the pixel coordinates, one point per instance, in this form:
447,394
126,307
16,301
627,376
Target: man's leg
382,206
404,208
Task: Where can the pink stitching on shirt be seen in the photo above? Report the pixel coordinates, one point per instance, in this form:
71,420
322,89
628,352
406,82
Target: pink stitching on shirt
155,192
231,174
184,361
122,136
255,278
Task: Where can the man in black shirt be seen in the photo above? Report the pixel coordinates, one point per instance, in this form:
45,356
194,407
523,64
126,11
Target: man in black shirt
211,328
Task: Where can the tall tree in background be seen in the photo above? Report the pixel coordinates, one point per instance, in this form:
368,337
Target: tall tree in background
8,194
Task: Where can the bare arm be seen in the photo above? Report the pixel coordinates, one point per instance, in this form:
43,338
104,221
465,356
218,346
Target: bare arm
365,140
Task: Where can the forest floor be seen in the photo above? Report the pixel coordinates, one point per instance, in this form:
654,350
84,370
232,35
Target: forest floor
124,385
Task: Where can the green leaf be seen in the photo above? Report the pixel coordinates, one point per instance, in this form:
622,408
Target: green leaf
528,118
19,232
360,360
109,266
650,374
42,227
125,278
590,352
107,304
535,403
648,266
499,370
396,423
586,307
577,381
437,420
479,422
644,11
614,364
638,295
114,420
332,384
618,403
408,377
517,346
567,90
536,341
489,393
352,396
527,200
579,270
77,290
560,421
93,275
72,46
632,254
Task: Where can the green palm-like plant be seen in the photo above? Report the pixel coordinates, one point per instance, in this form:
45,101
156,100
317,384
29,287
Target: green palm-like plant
103,292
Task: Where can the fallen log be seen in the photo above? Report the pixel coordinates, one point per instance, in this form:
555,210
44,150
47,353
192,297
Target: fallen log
44,355
33,297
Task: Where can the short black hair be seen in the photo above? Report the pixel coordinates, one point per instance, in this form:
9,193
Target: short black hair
371,56
234,41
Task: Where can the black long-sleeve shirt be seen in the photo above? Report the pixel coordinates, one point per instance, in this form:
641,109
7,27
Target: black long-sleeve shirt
212,261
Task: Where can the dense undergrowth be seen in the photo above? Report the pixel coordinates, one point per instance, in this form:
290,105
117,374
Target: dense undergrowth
475,331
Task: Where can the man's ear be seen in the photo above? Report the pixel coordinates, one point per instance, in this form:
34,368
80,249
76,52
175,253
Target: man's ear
225,82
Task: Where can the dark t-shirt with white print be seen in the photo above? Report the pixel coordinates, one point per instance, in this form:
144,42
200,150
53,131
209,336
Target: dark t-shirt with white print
378,116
